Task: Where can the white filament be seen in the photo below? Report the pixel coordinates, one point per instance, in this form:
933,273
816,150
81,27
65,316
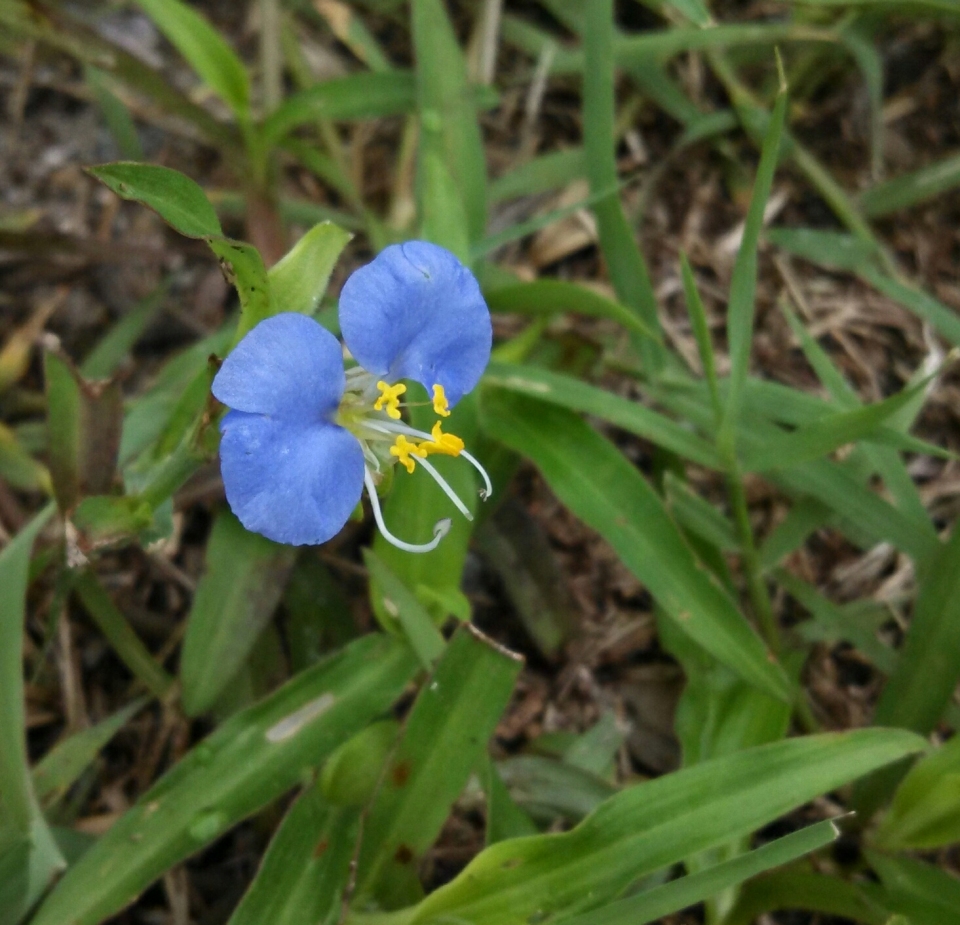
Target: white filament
440,529
447,490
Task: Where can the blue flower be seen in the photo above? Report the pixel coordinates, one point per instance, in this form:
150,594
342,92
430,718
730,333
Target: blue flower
303,437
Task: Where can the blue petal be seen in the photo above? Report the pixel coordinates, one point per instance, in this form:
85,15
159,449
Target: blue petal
288,366
417,313
293,482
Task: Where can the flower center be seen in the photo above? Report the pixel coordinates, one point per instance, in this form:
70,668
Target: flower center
370,410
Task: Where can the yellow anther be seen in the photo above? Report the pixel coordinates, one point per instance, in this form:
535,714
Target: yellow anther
440,404
404,450
447,444
390,396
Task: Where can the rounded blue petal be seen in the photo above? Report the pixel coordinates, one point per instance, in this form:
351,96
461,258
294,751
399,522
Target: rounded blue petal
416,312
294,482
288,366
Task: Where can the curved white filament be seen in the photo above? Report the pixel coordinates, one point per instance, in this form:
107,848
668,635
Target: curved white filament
440,529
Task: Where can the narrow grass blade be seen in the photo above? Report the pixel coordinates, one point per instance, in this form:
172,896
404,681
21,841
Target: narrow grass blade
448,118
33,857
698,515
399,602
922,893
306,868
205,50
655,824
701,331
68,759
912,188
252,759
125,642
594,480
115,114
567,392
743,284
542,174
547,297
106,357
625,263
242,584
679,894
504,818
444,740
357,96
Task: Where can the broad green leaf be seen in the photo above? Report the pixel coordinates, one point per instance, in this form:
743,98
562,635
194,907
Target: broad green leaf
567,392
352,773
547,297
609,494
174,197
306,869
925,894
357,96
743,283
205,50
443,218
625,264
29,857
925,812
443,741
68,759
103,361
241,586
405,611
125,642
650,905
299,280
652,825
448,118
912,188
245,764
83,431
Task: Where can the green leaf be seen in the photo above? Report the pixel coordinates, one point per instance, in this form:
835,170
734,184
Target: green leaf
652,825
299,280
679,894
306,868
908,190
926,895
241,586
104,360
83,427
125,642
352,773
541,174
574,394
29,857
106,519
443,218
401,604
174,197
115,114
447,109
549,789
357,96
626,266
548,297
925,812
248,762
444,739
18,468
205,50
743,283
592,478
69,758
243,267
504,818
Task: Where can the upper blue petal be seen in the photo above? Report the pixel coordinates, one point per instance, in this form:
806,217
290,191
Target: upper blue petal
416,312
288,366
291,481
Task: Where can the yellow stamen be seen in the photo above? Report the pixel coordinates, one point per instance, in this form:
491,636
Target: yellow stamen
440,404
447,444
390,396
404,450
